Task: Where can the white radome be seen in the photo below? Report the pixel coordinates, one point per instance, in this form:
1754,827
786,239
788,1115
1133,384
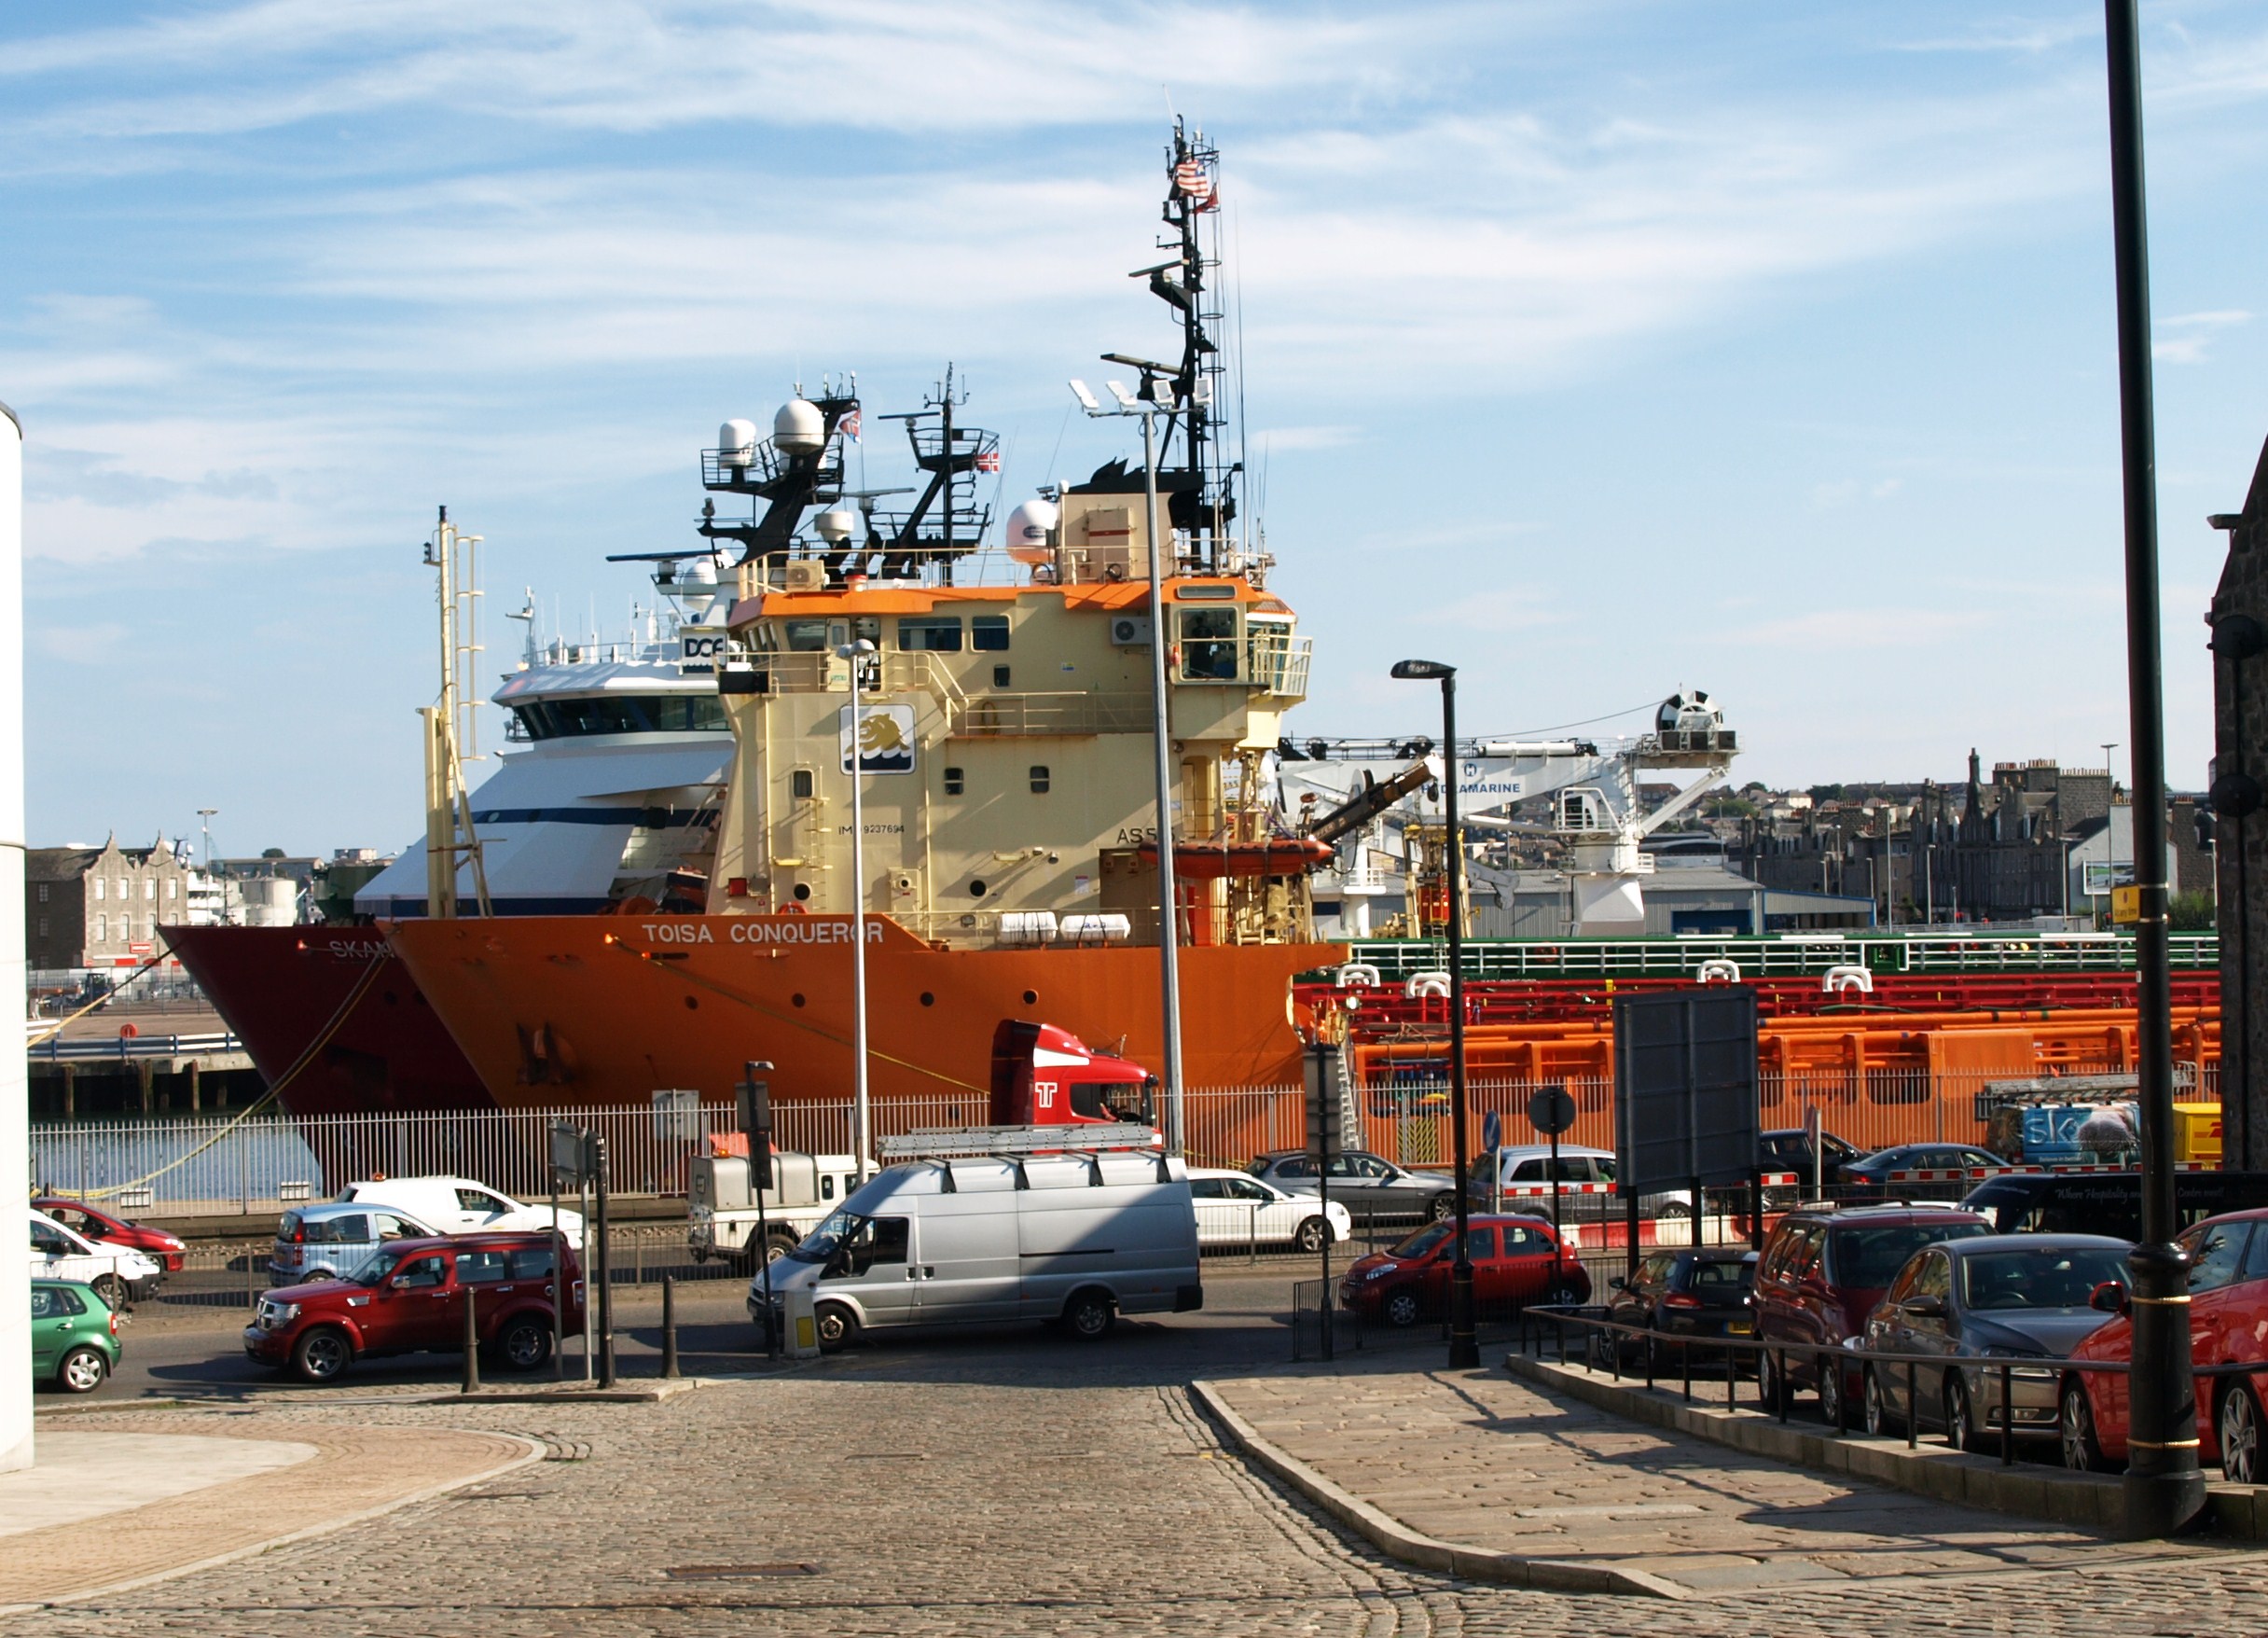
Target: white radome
736,442
835,525
799,428
1029,529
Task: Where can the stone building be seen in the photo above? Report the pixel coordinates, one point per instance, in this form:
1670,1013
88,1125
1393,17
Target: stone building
2239,620
99,907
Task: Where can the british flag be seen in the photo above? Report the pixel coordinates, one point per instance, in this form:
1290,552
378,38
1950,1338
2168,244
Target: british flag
988,461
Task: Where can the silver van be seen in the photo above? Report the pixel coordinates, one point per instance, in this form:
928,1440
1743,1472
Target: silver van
332,1240
1071,1239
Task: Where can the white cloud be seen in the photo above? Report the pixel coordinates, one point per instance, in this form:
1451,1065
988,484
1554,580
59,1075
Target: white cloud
1835,630
2185,339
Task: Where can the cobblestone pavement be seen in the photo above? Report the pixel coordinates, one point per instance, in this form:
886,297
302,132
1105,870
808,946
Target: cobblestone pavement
1016,1483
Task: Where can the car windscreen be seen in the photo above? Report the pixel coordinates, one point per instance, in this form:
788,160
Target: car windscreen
2002,1281
374,1270
824,1242
1868,1258
1422,1243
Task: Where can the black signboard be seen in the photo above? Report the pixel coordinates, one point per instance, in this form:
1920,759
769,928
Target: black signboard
1685,1087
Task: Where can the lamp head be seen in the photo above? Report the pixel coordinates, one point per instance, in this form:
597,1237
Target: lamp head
1086,399
1422,670
858,650
1126,401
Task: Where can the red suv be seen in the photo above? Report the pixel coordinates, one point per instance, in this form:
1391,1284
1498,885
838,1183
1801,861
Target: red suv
1821,1275
1515,1261
2227,1325
410,1297
106,1229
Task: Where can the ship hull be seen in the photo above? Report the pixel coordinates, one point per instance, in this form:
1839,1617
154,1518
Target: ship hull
282,987
561,1011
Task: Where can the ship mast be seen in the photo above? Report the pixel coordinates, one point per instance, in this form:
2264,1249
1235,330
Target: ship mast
454,557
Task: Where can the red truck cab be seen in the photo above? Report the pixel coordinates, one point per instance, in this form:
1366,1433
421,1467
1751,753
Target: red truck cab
1042,1075
410,1297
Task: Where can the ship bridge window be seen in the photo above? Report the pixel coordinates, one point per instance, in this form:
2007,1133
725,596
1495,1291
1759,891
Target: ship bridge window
1209,644
555,719
930,633
806,636
988,632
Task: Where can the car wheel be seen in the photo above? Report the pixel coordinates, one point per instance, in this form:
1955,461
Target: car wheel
2082,1451
321,1353
1090,1316
1876,1407
526,1344
1441,1207
837,1326
1401,1308
82,1370
1769,1388
1832,1386
112,1290
1314,1234
2240,1436
1961,1416
1676,1211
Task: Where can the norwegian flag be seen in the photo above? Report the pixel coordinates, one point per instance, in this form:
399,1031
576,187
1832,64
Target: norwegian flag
849,426
1191,182
988,461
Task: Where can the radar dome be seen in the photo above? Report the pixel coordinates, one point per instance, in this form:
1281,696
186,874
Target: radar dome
1029,528
799,428
697,576
836,525
736,442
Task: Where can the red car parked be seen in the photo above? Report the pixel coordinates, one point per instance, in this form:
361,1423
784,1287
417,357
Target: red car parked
1515,1261
103,1228
2227,1325
410,1297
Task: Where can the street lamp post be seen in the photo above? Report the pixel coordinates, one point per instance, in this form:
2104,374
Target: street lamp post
1148,408
1464,1346
861,656
2163,1488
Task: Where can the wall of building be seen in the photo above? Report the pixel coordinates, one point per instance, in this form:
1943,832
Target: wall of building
2240,842
15,1131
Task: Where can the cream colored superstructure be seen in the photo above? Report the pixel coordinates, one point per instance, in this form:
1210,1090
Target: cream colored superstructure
1030,784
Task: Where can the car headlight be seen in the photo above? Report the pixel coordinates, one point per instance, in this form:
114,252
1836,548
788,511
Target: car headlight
1380,1273
2022,1373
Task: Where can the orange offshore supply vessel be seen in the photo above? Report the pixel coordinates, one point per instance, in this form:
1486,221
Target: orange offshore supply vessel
1002,733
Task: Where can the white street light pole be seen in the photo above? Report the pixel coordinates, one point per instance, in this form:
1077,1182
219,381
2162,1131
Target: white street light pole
1168,915
861,1114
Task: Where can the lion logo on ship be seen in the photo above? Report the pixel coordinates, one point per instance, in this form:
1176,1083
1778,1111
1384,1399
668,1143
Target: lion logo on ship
885,740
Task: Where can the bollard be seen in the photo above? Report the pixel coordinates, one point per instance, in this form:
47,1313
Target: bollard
669,1326
471,1345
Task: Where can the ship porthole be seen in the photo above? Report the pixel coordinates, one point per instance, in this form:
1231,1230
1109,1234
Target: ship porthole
1031,997
976,890
928,999
693,1004
797,999
802,891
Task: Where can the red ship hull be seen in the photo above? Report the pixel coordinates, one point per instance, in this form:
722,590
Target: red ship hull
282,987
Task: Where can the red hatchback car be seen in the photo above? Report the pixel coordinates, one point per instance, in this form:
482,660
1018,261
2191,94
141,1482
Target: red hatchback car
104,1229
2227,1325
1515,1261
410,1297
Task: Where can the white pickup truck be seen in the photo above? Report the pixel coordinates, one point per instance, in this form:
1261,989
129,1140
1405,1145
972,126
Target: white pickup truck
722,1208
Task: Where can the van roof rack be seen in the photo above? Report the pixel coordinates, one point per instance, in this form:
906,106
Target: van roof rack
941,1142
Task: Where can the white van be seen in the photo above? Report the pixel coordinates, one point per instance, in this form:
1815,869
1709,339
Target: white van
118,1274
1078,1238
459,1205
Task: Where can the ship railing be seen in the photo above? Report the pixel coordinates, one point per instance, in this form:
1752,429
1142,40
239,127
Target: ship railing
1986,951
809,672
1279,665
987,716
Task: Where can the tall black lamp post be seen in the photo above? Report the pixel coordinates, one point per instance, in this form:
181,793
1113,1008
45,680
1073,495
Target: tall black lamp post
2163,1487
1464,1346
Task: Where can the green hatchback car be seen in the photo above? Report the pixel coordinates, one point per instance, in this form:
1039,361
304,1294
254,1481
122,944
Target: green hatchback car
75,1336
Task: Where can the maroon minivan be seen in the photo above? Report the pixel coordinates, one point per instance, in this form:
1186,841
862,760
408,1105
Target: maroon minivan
410,1297
1821,1273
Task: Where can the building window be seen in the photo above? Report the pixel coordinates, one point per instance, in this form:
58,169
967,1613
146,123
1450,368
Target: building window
988,632
930,633
125,889
1039,780
953,782
43,926
171,893
101,887
799,784
43,893
102,929
149,887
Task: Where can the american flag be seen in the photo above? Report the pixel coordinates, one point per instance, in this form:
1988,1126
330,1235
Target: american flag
849,424
1191,182
988,461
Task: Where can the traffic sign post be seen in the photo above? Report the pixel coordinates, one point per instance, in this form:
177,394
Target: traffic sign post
1492,1139
1325,1119
1552,1111
756,1123
570,1155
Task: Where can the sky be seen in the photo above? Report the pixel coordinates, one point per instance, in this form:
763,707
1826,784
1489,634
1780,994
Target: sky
1602,348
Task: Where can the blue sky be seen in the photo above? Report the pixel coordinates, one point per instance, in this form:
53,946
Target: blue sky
1601,347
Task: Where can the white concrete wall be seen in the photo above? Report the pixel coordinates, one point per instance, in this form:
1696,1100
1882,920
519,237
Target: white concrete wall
15,1137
